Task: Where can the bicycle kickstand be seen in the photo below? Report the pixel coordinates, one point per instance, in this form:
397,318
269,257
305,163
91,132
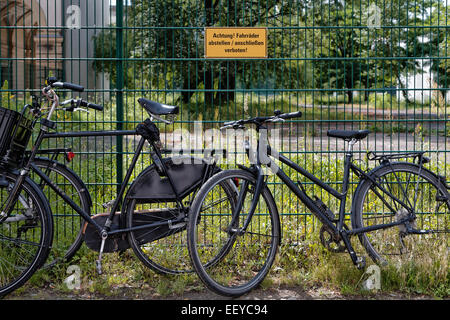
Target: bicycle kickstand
98,263
358,261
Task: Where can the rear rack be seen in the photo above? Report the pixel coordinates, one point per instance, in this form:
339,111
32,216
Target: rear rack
382,156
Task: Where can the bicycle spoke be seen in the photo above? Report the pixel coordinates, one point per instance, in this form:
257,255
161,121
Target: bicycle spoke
427,216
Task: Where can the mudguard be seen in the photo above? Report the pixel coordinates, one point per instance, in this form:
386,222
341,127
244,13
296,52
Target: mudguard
374,174
150,186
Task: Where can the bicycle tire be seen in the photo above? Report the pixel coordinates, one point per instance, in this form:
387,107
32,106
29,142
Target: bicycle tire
68,224
28,227
228,275
389,245
167,254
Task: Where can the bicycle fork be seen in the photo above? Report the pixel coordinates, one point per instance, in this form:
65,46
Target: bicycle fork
241,197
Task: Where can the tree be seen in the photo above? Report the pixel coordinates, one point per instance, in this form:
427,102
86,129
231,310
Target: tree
351,53
169,50
438,46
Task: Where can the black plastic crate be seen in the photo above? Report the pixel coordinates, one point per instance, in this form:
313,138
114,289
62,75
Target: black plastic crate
15,132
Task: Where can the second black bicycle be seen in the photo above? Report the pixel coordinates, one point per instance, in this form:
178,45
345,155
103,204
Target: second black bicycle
399,209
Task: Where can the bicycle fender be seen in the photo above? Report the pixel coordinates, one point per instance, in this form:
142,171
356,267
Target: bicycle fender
251,170
373,173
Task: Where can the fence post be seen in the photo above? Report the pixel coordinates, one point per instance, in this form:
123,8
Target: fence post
119,90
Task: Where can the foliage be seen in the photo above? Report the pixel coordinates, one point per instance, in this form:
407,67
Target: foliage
351,53
168,47
165,51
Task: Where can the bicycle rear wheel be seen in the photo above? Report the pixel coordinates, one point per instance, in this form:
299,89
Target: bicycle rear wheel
25,236
231,261
68,223
411,190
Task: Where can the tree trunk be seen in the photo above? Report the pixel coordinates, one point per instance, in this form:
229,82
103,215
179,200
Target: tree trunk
366,96
227,83
188,89
350,96
402,86
208,82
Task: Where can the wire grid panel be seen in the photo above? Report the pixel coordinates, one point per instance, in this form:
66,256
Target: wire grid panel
378,65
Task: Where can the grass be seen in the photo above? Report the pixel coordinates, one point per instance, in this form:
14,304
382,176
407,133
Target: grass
301,261
309,267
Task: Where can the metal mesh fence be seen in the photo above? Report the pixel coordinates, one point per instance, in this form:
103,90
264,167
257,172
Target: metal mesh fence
380,65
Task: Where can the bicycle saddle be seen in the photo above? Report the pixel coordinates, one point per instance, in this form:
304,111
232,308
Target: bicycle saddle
157,108
348,134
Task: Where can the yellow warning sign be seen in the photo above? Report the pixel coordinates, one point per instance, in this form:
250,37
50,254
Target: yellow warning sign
235,43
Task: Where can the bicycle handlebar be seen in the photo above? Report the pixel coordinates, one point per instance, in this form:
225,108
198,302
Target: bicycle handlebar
91,105
292,115
52,82
237,124
71,86
76,103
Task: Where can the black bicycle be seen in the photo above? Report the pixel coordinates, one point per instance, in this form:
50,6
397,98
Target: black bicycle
392,202
154,206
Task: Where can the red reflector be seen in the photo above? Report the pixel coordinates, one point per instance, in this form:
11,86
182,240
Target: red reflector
70,155
236,181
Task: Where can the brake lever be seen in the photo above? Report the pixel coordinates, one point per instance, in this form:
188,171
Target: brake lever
66,102
276,119
233,126
225,127
81,109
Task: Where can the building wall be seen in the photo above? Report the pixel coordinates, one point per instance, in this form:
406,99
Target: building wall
47,34
79,44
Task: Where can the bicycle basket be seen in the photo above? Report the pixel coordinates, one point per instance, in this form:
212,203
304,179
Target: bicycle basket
15,132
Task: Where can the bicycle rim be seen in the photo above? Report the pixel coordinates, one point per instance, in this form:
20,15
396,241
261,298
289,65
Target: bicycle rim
162,248
25,236
228,261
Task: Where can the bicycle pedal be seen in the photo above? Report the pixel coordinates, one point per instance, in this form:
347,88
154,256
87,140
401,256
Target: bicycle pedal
360,263
108,204
98,266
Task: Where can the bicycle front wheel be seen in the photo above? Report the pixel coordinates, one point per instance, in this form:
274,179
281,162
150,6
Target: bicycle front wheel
229,260
404,190
25,236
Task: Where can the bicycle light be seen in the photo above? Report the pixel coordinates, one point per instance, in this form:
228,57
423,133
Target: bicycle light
69,156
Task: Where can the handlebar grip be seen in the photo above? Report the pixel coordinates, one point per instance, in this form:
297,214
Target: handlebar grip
296,114
91,105
72,86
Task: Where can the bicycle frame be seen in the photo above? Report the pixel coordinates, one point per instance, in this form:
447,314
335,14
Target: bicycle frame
156,155
104,230
117,203
340,231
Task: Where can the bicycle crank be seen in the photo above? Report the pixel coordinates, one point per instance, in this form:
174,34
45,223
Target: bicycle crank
330,242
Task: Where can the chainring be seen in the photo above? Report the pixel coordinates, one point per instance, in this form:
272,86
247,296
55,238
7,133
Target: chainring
329,242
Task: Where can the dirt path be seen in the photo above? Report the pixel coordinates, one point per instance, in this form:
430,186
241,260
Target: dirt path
280,293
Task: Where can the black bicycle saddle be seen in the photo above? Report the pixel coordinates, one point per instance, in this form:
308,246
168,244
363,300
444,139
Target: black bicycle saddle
157,108
348,134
